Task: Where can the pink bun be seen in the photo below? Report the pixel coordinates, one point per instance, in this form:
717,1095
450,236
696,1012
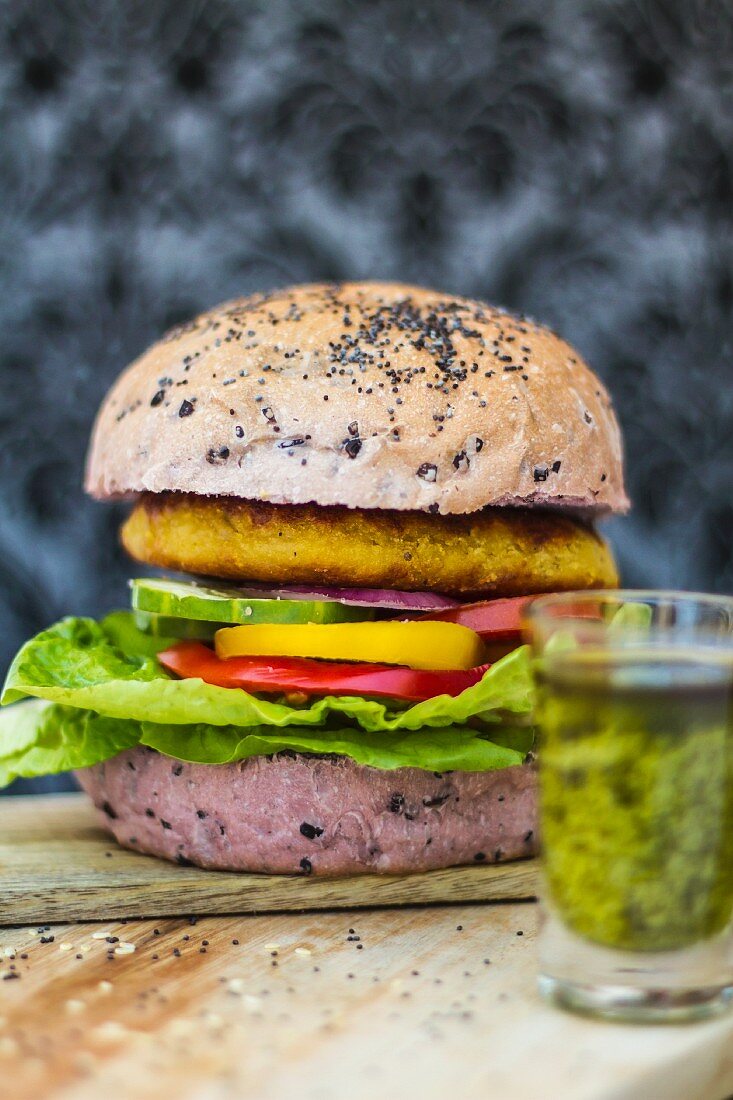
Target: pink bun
321,815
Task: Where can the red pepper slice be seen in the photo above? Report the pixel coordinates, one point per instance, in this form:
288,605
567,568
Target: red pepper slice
277,674
492,620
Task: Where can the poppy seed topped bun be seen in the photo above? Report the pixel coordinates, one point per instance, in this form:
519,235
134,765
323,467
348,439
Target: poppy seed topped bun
370,395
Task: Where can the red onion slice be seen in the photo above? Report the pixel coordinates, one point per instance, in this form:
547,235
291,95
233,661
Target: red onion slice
387,598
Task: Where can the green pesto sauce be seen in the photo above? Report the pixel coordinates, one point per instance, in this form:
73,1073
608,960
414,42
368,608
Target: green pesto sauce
636,788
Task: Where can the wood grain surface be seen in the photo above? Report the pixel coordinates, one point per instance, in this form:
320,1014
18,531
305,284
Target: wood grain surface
360,1005
57,864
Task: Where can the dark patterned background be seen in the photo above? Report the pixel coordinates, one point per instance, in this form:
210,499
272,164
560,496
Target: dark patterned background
571,159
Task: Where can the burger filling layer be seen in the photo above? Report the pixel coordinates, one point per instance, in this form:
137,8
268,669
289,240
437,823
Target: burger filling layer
497,551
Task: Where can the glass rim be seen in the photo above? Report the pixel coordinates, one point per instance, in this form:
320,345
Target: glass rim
539,607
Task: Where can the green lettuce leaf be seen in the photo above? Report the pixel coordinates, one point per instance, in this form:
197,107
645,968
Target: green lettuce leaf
450,749
110,668
40,738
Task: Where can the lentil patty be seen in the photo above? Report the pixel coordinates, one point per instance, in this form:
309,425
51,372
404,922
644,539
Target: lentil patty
498,551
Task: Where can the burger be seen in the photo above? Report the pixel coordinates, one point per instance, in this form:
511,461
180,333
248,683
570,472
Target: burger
351,491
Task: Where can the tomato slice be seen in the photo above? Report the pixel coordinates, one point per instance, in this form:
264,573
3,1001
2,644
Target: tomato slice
276,674
492,620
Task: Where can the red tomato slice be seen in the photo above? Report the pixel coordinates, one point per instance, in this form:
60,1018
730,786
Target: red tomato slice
493,620
193,659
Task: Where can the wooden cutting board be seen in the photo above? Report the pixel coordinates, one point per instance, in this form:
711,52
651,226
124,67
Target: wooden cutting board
373,1003
57,864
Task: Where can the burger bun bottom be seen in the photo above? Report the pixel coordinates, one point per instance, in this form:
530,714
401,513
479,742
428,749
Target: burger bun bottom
293,813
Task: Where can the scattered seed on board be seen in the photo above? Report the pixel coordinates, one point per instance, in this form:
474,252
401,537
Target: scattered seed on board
109,1031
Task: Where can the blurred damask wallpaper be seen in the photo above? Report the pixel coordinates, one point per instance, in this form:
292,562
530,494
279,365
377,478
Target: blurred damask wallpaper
569,158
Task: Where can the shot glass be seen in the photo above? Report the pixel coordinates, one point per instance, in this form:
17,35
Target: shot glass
635,759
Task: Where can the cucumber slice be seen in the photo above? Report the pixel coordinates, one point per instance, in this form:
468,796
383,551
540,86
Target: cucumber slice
225,605
166,626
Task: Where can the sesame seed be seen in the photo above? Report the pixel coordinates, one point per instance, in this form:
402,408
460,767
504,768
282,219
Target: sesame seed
108,1032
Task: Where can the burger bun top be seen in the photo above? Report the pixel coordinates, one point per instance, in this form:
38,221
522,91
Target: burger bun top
370,395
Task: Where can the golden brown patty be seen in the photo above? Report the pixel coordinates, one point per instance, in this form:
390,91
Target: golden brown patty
502,551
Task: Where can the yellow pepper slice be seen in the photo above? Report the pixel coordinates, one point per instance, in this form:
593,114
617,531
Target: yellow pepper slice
425,645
